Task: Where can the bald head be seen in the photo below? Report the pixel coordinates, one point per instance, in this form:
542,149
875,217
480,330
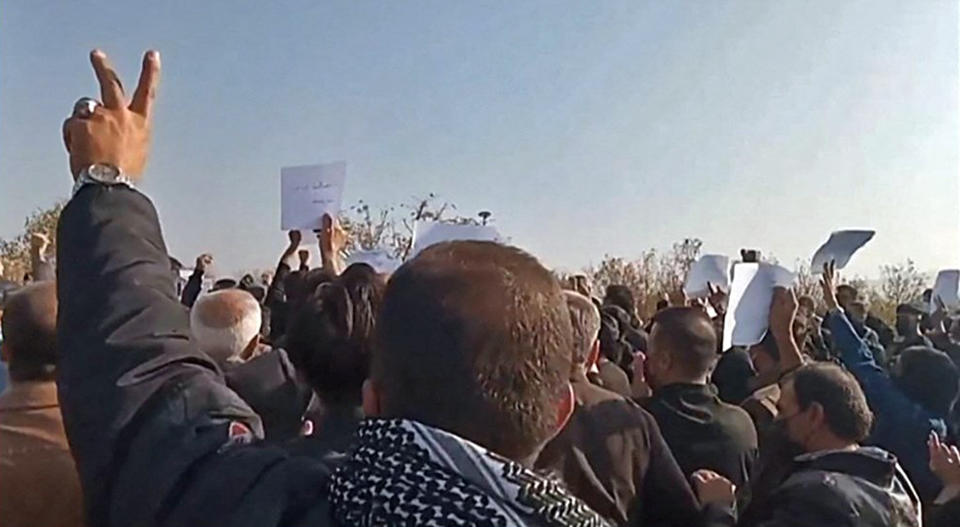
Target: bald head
226,324
30,332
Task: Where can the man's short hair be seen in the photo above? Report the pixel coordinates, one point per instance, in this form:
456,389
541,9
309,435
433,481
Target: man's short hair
688,335
224,323
30,332
929,377
331,335
585,321
621,296
474,338
847,290
838,392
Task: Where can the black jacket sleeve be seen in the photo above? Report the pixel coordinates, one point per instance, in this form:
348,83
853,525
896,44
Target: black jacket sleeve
156,434
192,289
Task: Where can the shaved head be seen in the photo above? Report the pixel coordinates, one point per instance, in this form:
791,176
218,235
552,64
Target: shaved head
30,332
225,323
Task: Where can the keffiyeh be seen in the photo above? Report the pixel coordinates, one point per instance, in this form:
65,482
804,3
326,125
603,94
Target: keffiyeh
405,473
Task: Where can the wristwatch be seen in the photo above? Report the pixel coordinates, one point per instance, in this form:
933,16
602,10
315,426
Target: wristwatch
101,174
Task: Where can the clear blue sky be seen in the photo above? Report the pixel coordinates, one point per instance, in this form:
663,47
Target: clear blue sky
587,127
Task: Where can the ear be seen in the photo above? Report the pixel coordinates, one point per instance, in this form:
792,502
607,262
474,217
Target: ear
251,347
594,354
565,408
817,416
371,399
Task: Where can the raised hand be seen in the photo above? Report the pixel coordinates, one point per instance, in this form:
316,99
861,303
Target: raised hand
204,261
714,488
304,256
717,298
117,133
944,461
333,238
39,242
829,285
783,311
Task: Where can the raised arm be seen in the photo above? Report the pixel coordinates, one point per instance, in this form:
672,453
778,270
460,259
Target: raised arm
881,393
155,432
195,283
40,268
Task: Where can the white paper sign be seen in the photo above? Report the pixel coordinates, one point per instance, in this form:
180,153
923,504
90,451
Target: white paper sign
839,248
382,261
710,269
751,294
947,288
308,192
428,233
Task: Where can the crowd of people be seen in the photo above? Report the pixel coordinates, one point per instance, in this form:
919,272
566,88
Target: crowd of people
469,387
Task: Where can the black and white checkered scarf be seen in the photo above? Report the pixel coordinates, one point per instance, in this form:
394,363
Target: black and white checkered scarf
405,473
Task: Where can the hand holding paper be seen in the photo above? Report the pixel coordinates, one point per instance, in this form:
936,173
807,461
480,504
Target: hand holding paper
946,288
751,295
829,286
709,271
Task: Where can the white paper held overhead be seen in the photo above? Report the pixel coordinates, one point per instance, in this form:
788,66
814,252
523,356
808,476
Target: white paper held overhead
839,248
709,269
751,294
382,261
308,192
427,233
947,289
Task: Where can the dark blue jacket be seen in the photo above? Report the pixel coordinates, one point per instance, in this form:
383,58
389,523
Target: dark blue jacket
902,425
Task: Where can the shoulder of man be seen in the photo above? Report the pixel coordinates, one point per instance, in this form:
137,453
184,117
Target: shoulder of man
819,496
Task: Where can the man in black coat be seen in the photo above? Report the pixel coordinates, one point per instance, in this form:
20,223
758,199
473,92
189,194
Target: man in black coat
611,453
702,430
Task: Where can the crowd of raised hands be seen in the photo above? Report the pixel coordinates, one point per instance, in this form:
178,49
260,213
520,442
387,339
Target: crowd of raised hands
469,387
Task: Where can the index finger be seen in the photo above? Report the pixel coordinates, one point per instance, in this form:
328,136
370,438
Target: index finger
146,91
110,89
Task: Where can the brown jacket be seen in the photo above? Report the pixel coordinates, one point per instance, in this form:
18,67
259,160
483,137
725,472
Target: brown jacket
612,456
38,481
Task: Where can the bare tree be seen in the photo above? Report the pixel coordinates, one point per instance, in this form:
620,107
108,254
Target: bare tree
15,253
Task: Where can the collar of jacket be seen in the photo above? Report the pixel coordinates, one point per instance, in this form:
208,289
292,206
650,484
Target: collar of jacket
870,463
29,396
689,391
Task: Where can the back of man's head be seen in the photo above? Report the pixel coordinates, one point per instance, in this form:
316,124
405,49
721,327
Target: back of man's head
929,377
621,296
331,335
839,394
474,338
30,332
585,320
226,324
687,336
846,293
